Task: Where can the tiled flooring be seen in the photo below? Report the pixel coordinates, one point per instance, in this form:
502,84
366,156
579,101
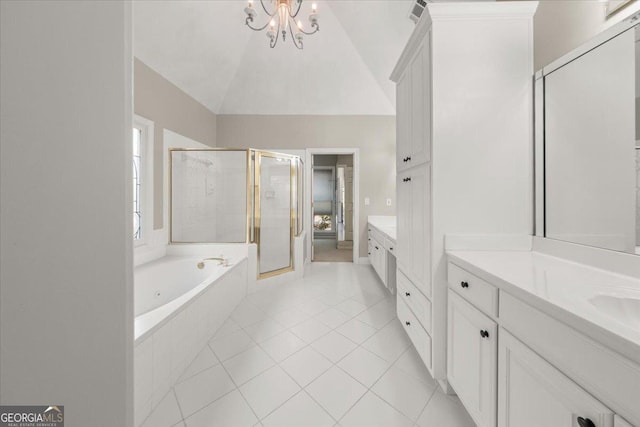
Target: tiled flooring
326,250
326,350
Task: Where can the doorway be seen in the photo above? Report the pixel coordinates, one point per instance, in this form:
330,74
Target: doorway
332,195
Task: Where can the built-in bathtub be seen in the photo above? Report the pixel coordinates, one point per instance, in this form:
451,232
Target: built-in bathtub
178,308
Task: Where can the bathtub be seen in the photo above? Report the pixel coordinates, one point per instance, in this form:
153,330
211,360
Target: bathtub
163,286
178,308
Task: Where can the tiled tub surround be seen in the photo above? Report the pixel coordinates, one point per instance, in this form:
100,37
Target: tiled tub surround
582,320
324,350
170,336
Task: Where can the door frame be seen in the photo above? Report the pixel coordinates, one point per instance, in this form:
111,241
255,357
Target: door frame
355,152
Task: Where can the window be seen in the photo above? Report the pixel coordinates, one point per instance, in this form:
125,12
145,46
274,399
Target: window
142,163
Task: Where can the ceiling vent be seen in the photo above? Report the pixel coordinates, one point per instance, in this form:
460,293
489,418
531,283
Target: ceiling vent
416,10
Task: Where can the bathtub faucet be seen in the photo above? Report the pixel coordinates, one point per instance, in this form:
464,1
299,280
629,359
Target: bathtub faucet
221,261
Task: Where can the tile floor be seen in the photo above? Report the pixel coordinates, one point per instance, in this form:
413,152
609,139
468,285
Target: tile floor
326,250
326,350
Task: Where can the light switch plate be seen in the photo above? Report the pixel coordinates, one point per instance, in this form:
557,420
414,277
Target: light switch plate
367,202
388,202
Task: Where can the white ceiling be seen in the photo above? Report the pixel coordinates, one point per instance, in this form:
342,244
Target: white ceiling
204,48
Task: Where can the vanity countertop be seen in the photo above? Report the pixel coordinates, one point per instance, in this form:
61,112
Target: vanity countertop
599,303
385,224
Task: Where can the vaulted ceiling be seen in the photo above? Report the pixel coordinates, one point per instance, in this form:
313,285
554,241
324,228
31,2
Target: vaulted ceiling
204,48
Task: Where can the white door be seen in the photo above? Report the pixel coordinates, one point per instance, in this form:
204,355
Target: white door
472,356
420,106
420,228
403,194
532,393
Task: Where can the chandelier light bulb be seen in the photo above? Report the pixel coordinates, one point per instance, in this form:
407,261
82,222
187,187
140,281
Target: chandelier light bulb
314,7
251,3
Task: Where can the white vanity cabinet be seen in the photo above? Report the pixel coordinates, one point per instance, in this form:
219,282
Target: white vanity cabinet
378,259
534,393
514,365
381,251
463,162
472,356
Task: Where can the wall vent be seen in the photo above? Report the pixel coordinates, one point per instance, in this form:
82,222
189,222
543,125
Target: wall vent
416,10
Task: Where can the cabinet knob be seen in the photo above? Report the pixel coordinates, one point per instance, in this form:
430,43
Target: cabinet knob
390,249
464,284
369,253
377,248
408,294
484,334
585,422
407,323
409,179
408,159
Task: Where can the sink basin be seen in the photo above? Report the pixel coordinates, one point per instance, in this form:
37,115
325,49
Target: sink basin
625,310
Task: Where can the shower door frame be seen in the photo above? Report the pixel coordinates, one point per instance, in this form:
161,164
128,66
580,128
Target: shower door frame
257,155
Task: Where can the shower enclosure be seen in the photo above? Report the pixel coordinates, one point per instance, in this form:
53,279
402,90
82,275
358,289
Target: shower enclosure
238,196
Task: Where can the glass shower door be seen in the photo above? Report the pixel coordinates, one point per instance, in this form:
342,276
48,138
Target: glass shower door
274,212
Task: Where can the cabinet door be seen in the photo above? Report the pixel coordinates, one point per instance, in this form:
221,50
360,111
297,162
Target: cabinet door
535,394
403,215
420,69
380,260
403,120
472,356
420,228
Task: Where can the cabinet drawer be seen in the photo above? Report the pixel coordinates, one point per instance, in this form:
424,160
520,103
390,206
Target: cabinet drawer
418,303
419,337
376,235
475,290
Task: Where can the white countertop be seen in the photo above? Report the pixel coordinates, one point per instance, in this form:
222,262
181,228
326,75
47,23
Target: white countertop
574,293
385,224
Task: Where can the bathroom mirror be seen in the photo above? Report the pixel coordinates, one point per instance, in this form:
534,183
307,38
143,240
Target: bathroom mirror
590,153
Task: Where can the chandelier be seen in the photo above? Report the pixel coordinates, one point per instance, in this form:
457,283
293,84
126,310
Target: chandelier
282,19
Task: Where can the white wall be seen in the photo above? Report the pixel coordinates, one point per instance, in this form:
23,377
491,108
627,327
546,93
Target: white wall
66,315
169,107
562,25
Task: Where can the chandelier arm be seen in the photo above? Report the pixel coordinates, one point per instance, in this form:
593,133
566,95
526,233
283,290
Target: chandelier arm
295,42
250,19
297,10
256,28
265,9
316,26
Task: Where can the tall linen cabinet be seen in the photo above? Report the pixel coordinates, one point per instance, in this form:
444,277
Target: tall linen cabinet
464,150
